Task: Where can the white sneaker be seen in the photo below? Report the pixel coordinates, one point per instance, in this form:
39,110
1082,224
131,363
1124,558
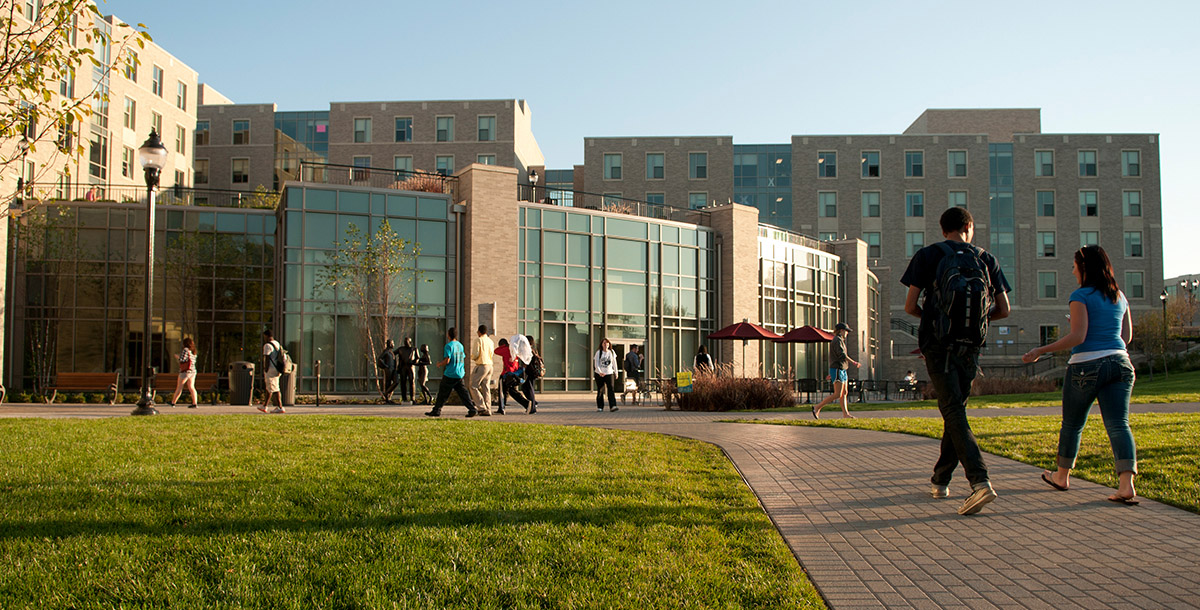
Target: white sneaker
976,501
278,410
939,491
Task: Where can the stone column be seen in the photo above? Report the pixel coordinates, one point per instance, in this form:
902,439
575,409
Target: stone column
737,285
488,259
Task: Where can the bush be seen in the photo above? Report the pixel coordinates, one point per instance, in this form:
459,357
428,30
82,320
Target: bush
988,386
96,398
723,393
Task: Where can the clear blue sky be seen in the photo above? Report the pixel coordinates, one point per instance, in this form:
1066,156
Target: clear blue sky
759,71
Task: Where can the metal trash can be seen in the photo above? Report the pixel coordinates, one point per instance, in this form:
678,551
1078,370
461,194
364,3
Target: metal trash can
241,383
287,387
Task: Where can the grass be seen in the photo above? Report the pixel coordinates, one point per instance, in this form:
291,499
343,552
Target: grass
329,512
1168,447
1181,387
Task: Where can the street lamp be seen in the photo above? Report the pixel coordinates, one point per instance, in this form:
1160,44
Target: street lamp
1163,297
153,156
533,176
23,146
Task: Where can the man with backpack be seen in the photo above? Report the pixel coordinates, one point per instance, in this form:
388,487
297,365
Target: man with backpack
273,367
964,290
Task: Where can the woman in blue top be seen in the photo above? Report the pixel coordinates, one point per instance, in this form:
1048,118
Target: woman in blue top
1099,369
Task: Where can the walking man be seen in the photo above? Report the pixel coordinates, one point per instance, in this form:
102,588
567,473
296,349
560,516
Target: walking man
406,358
272,355
452,377
387,363
482,352
964,289
633,371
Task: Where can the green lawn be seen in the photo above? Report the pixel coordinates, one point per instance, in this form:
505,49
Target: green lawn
1168,447
331,512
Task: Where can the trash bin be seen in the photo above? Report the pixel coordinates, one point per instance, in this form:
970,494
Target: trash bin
241,383
287,388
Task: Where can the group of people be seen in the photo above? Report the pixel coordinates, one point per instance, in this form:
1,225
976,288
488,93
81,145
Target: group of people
521,366
407,368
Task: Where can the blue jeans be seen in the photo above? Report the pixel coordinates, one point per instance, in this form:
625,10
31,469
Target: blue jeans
951,376
1108,380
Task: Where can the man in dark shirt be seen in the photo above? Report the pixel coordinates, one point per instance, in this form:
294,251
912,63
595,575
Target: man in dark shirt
951,371
633,371
405,358
387,361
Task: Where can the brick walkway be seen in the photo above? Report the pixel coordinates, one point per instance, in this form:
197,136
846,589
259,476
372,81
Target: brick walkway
852,505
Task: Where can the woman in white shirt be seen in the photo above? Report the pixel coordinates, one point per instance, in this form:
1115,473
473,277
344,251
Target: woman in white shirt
604,363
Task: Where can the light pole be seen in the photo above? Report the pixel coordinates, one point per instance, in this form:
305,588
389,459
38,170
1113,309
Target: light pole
533,176
1163,297
14,210
153,156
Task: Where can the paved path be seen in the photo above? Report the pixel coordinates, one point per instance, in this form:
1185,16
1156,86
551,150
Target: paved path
852,505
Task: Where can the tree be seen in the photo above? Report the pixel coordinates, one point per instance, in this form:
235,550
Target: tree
1150,337
57,54
377,275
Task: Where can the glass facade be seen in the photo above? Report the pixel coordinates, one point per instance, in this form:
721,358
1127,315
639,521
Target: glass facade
1003,220
299,136
560,187
762,178
317,322
798,286
589,275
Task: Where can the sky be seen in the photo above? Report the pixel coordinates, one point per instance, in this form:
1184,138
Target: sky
755,70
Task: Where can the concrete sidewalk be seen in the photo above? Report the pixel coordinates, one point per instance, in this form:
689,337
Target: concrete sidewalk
853,507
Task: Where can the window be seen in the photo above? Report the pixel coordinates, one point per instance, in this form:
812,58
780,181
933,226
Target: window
1045,203
870,164
403,129
180,178
656,198
697,200
870,204
1133,244
1089,238
201,134
956,163
241,171
1087,203
156,123
1131,163
363,161
402,163
487,128
130,114
1045,244
698,166
157,85
824,236
445,129
957,199
1087,163
1043,163
827,164
241,132
485,159
1047,285
362,130
1131,202
827,205
181,96
873,248
914,240
914,164
180,139
201,169
98,156
1135,285
127,162
1047,334
914,204
444,164
131,65
612,166
654,166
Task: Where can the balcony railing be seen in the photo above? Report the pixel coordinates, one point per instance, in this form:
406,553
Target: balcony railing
169,195
549,195
377,177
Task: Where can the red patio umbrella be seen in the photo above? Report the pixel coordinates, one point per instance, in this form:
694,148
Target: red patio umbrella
744,330
805,334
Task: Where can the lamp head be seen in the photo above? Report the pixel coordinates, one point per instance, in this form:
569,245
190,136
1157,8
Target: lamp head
533,176
23,145
153,156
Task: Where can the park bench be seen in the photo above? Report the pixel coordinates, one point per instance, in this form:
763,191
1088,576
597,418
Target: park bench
86,382
205,382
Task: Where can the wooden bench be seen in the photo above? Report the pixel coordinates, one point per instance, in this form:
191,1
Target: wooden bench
86,382
205,382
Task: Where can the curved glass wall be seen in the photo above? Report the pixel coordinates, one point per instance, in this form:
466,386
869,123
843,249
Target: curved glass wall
798,286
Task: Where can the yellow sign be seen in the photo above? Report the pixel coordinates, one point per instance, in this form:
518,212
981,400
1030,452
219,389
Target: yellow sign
683,382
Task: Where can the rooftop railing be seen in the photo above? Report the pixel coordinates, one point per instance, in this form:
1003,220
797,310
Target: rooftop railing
169,195
793,238
377,177
548,195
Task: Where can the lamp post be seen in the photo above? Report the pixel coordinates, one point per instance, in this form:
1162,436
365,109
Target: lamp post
533,176
14,208
153,156
1163,297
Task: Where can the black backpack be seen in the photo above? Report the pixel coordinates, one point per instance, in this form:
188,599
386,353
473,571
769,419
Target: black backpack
536,368
963,289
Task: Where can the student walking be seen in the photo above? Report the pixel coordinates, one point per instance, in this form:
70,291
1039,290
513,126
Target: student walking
187,372
405,361
452,377
604,365
386,361
1099,370
633,372
482,353
511,377
839,364
535,369
421,365
964,289
272,354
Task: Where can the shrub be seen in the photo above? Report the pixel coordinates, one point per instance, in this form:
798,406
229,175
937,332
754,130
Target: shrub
988,386
74,398
419,182
96,397
724,393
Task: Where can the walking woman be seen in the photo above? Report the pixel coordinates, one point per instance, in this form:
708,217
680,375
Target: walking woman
604,362
421,364
187,372
839,362
1098,370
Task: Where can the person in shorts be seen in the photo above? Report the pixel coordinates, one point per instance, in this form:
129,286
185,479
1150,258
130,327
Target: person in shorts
187,372
272,352
839,364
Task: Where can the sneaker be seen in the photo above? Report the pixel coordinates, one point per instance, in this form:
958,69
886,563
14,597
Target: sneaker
614,408
940,491
978,498
263,408
278,410
600,409
484,413
189,406
433,414
499,411
471,414
532,410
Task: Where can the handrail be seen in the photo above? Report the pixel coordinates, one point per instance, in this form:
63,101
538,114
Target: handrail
169,195
377,177
550,195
